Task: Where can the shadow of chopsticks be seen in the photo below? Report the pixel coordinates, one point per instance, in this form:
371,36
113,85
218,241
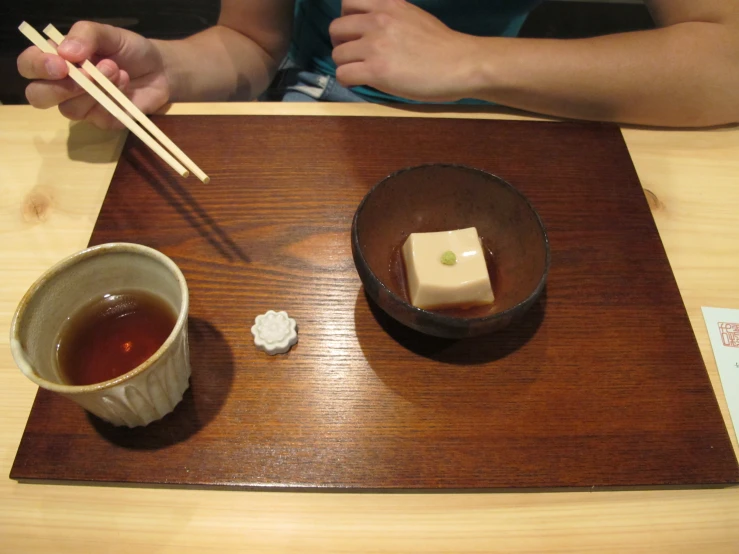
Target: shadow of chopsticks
177,196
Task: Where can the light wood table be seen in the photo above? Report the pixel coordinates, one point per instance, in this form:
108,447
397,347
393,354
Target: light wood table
52,184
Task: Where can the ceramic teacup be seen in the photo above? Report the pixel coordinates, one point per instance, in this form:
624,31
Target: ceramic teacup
146,393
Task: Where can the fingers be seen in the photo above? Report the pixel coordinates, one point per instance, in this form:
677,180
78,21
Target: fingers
352,27
35,64
80,106
49,72
353,44
87,39
353,74
45,93
94,114
51,85
349,52
84,107
101,118
349,7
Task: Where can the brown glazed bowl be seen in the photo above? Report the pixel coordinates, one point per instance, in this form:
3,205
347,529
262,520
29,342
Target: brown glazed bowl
442,198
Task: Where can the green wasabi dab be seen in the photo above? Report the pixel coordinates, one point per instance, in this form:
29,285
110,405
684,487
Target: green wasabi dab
449,258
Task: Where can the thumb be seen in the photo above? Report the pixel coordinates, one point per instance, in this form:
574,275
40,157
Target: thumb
87,39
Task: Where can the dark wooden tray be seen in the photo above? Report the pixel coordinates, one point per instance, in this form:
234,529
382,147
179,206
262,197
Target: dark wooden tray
602,385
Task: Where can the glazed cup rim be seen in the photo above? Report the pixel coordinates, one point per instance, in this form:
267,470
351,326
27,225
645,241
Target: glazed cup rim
16,346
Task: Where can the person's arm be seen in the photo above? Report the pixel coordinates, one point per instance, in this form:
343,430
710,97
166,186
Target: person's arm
685,73
234,59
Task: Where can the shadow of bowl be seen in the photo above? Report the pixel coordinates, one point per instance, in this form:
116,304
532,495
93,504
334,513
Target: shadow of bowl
463,375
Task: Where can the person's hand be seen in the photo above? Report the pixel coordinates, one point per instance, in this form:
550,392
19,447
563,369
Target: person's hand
132,62
400,49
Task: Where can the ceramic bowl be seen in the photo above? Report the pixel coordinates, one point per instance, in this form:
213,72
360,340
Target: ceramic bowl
442,197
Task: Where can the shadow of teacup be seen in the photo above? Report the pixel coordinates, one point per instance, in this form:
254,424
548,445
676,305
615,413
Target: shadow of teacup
212,375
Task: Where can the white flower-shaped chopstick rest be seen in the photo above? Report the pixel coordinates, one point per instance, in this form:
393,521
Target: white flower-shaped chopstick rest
274,332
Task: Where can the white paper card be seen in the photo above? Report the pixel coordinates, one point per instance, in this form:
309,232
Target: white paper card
723,330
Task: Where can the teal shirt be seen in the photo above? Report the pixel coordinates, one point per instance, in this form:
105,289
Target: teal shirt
311,47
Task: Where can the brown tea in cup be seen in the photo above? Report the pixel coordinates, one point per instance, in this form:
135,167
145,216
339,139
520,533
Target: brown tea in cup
112,335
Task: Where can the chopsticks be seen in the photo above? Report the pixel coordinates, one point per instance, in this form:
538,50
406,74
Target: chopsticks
36,38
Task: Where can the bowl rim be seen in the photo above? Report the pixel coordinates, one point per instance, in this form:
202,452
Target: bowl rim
439,317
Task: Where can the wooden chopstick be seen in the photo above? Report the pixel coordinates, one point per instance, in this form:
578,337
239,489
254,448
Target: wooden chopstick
36,38
54,34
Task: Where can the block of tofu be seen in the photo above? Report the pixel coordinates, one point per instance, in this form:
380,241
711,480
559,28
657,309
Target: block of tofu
437,284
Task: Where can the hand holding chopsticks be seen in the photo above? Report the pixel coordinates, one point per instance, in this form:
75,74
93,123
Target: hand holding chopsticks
126,119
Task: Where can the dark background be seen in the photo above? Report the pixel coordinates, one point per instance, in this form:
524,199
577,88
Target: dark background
175,19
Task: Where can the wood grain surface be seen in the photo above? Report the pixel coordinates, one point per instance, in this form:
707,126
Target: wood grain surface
54,176
602,385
